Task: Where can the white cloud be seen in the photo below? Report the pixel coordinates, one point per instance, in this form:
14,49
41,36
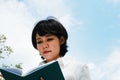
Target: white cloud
114,58
56,8
114,2
16,23
46,7
109,69
70,22
113,65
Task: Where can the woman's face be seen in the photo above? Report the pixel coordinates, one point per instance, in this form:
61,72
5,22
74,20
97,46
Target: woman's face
48,46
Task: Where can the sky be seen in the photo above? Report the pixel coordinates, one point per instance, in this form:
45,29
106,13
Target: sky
93,27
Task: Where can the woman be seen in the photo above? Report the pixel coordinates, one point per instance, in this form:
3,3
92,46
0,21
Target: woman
49,37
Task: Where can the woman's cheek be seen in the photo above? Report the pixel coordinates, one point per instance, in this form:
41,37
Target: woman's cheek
39,48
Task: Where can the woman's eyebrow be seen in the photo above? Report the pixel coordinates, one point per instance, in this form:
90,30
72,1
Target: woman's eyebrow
47,35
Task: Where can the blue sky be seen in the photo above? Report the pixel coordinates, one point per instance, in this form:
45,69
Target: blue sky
101,26
93,27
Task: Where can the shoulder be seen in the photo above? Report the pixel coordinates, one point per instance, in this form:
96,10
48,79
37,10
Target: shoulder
80,71
68,60
71,63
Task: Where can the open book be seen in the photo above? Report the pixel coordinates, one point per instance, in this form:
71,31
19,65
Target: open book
48,71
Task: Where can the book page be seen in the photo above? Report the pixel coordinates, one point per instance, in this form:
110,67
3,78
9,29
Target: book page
14,71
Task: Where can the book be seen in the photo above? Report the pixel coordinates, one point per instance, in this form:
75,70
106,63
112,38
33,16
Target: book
48,71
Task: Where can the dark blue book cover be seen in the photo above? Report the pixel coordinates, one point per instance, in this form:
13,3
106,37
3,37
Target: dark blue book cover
49,71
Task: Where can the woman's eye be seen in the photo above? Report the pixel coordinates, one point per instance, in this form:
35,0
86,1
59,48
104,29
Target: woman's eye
38,42
50,39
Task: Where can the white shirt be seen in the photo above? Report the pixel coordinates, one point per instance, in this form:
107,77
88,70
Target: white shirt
73,70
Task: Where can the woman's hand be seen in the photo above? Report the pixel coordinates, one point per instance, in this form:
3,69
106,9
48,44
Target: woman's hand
41,78
1,77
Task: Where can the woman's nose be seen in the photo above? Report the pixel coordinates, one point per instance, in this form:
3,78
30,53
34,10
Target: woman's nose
45,45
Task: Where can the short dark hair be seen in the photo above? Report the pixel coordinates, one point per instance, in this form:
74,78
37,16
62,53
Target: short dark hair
50,26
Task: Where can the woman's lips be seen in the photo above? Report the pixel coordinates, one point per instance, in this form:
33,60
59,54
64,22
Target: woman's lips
45,52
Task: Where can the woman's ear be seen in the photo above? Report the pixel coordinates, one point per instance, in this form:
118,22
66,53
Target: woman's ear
62,40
